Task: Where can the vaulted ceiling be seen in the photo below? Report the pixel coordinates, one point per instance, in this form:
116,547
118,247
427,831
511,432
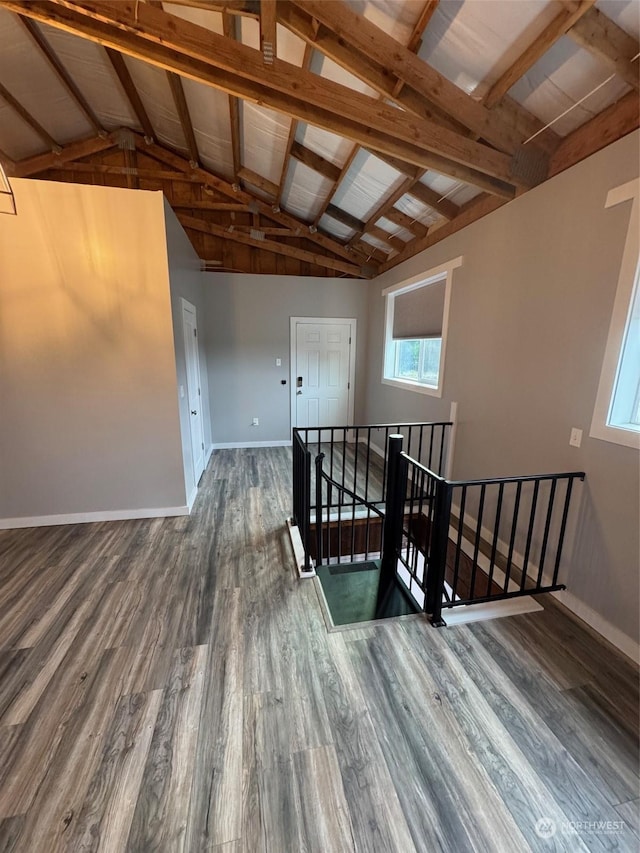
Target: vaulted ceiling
315,137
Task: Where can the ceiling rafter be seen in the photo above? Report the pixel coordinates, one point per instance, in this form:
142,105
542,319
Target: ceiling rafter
415,39
182,108
61,72
248,176
230,31
314,161
27,118
230,233
268,36
126,81
293,129
558,27
207,57
610,43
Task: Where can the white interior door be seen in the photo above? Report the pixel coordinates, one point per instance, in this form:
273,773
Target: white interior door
322,375
192,360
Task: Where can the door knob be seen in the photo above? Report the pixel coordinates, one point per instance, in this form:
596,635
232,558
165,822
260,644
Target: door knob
193,412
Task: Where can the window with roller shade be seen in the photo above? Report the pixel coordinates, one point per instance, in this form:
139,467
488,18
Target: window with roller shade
415,331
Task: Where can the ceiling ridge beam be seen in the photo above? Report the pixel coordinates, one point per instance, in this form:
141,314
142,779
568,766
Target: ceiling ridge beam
229,233
206,56
63,75
554,31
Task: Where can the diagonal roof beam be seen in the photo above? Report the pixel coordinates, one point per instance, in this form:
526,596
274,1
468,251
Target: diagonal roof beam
547,38
205,56
363,36
63,75
29,119
68,153
180,101
229,30
609,42
126,81
415,40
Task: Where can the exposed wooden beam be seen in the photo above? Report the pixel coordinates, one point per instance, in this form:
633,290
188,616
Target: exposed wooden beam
396,243
256,180
446,208
230,233
128,86
293,129
268,38
364,36
73,151
29,119
117,169
407,222
415,40
520,122
239,195
563,22
214,206
476,210
370,251
203,55
62,73
611,124
314,161
345,218
229,29
245,8
609,42
337,183
180,101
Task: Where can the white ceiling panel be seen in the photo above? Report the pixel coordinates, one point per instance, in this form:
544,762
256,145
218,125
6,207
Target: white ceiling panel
264,140
304,191
365,183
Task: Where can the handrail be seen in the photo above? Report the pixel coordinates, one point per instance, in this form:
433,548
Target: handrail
351,494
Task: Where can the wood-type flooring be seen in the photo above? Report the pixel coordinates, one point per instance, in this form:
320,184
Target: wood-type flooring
169,685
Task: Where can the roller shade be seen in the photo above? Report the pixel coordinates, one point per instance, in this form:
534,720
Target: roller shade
418,313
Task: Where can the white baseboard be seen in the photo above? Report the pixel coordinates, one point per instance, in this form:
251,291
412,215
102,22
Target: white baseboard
599,624
192,497
489,610
234,445
90,517
207,455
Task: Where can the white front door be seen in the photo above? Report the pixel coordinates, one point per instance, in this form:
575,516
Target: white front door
192,363
322,373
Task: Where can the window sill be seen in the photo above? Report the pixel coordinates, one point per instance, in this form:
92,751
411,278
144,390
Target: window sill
407,385
617,435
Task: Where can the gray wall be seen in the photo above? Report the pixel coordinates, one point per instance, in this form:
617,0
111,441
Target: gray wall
186,282
88,413
247,320
529,317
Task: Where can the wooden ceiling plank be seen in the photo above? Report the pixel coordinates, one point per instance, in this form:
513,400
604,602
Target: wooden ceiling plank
180,101
256,180
229,30
611,124
603,38
230,233
63,75
208,178
268,36
288,89
541,44
314,161
26,116
126,81
73,151
366,37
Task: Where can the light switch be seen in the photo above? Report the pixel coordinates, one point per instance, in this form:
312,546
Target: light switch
278,362
181,392
576,437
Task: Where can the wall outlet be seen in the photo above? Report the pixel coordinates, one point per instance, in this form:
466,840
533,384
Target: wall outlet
575,439
255,422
